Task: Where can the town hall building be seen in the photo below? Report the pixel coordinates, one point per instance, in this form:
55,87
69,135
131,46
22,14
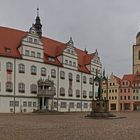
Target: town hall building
38,73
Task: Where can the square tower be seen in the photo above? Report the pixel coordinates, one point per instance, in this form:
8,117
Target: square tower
136,55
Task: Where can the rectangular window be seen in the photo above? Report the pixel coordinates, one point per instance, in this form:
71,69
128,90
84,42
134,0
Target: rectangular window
32,54
85,105
30,40
124,97
38,55
16,103
11,103
74,64
55,104
24,104
29,104
34,104
71,105
35,41
51,59
63,104
66,61
70,63
78,105
27,52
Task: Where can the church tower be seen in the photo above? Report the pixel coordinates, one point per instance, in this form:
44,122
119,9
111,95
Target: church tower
136,55
38,25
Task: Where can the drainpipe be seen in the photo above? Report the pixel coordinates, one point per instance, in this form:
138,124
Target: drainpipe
81,90
14,82
93,93
57,88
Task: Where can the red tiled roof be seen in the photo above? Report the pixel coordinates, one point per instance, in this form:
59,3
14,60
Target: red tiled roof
11,38
132,77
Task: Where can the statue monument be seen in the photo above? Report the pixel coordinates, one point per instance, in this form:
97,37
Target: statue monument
100,105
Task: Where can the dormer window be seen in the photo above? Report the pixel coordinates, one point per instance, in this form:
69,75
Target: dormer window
30,40
27,52
66,61
38,55
72,52
51,59
35,41
7,50
68,50
70,63
32,54
74,64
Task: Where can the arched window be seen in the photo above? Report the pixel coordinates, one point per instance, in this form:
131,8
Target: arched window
62,75
21,87
33,70
9,87
21,68
90,80
9,66
84,94
77,78
62,91
43,71
33,88
90,94
53,73
70,92
77,93
84,79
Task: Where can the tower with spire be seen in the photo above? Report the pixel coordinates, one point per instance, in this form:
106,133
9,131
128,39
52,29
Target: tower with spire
38,25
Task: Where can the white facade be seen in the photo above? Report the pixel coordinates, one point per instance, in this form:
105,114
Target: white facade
19,77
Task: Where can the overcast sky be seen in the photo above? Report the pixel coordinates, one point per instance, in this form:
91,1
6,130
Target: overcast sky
110,26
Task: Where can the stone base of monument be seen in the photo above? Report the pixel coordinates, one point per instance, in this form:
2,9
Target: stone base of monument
100,109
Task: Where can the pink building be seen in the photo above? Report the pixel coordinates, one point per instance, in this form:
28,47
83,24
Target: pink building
126,93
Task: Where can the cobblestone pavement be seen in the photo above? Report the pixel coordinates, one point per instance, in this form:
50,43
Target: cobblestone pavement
73,126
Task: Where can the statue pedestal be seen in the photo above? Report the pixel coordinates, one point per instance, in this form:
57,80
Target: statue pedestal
100,109
100,106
